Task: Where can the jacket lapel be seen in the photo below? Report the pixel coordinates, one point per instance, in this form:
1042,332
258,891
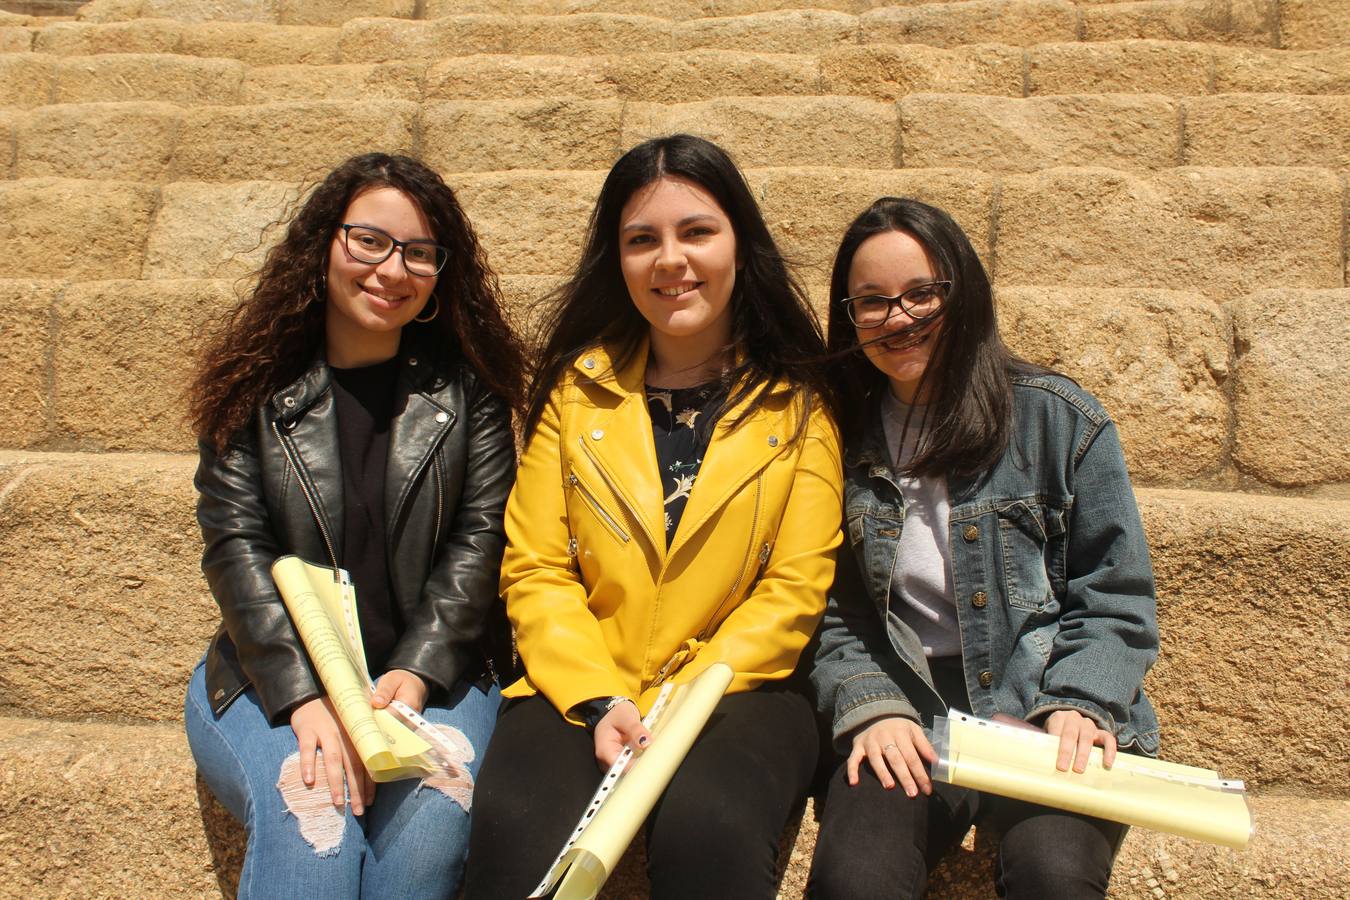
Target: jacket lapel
306,424
418,426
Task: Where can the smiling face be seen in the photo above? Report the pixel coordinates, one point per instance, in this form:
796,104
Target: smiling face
677,250
369,303
889,264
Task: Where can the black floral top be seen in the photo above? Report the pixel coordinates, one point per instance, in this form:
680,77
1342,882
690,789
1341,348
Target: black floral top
682,426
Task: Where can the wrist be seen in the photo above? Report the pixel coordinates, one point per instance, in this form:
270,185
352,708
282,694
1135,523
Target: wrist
590,712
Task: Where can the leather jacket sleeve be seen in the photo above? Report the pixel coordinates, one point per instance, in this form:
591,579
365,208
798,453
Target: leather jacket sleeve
439,641
240,547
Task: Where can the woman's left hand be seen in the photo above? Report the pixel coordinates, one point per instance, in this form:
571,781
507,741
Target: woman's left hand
1077,736
400,684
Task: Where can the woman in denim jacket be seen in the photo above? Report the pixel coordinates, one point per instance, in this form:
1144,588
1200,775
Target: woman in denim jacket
998,566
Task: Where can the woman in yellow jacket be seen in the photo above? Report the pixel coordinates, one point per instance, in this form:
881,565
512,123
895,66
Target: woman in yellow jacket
677,505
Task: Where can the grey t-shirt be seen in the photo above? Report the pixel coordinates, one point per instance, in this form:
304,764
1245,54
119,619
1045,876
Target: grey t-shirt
921,582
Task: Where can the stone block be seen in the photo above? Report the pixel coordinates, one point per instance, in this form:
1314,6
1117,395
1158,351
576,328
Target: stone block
24,360
1157,360
25,80
290,140
706,74
349,83
154,77
10,122
1292,385
261,45
506,77
336,12
15,39
783,31
44,224
1014,134
1233,571
86,38
678,10
525,299
124,355
477,136
210,10
1314,24
849,132
1268,130
392,40
531,223
131,141
1125,67
583,34
1243,22
890,72
439,9
1020,23
380,40
1222,232
99,555
1242,70
110,10
216,230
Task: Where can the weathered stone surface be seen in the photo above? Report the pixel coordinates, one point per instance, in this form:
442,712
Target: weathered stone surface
1014,134
147,76
99,557
1219,231
44,224
1242,70
336,12
261,45
661,9
1157,360
10,121
391,40
1020,23
1250,22
24,354
1268,130
786,31
124,357
1127,67
438,9
1311,24
132,141
216,230
84,38
885,72
703,74
532,223
1292,386
360,83
476,136
381,40
290,140
505,77
25,79
14,39
110,10
778,131
527,309
210,10
1253,657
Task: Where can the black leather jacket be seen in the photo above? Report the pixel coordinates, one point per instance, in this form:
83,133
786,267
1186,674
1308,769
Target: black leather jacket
278,490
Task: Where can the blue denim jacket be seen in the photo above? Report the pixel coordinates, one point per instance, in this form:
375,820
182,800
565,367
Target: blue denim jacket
1050,572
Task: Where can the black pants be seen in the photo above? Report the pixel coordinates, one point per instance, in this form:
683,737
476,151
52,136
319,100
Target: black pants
1042,852
713,834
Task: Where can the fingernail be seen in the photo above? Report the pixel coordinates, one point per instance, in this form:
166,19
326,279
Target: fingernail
644,741
911,792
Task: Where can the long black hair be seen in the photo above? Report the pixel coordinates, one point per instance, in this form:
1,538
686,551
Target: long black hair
775,336
272,336
969,376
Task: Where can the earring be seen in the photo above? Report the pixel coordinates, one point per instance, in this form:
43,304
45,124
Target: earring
434,312
322,294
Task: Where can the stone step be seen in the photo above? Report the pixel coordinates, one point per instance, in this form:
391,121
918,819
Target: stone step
110,810
99,568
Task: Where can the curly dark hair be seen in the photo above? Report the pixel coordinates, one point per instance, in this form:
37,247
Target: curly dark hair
274,333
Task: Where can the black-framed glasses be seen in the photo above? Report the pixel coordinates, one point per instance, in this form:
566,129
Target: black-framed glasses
369,244
919,302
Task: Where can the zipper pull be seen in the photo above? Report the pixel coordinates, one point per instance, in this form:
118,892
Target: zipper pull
764,555
572,479
572,548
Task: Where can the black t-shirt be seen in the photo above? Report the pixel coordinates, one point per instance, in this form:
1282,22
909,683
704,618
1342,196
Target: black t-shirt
682,426
365,399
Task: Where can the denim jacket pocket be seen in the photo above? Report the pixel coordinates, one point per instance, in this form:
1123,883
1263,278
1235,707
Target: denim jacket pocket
1031,540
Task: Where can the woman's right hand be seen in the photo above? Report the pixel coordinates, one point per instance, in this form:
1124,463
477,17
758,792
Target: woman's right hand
894,744
621,727
316,727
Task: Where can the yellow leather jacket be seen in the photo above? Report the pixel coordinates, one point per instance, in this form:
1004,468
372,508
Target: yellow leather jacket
601,607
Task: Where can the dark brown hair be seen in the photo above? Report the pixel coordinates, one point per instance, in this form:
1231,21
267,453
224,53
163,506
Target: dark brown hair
273,334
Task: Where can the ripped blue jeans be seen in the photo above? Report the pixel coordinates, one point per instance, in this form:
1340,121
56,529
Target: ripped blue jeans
411,842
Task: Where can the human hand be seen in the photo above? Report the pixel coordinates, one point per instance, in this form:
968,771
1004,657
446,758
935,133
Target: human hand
1077,734
316,727
400,684
621,727
894,744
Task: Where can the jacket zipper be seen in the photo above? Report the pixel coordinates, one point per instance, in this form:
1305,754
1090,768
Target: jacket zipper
436,474
594,504
749,547
304,489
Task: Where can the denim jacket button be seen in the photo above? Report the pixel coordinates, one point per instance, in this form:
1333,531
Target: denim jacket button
986,678
979,599
971,533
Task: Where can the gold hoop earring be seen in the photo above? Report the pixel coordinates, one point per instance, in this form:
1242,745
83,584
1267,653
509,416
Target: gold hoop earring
434,312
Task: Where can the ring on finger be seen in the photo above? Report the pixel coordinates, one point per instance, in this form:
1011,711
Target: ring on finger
888,747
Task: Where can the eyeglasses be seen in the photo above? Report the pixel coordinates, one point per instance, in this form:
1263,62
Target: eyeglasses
368,244
920,302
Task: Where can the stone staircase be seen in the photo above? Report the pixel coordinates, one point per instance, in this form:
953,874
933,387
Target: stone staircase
1159,189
